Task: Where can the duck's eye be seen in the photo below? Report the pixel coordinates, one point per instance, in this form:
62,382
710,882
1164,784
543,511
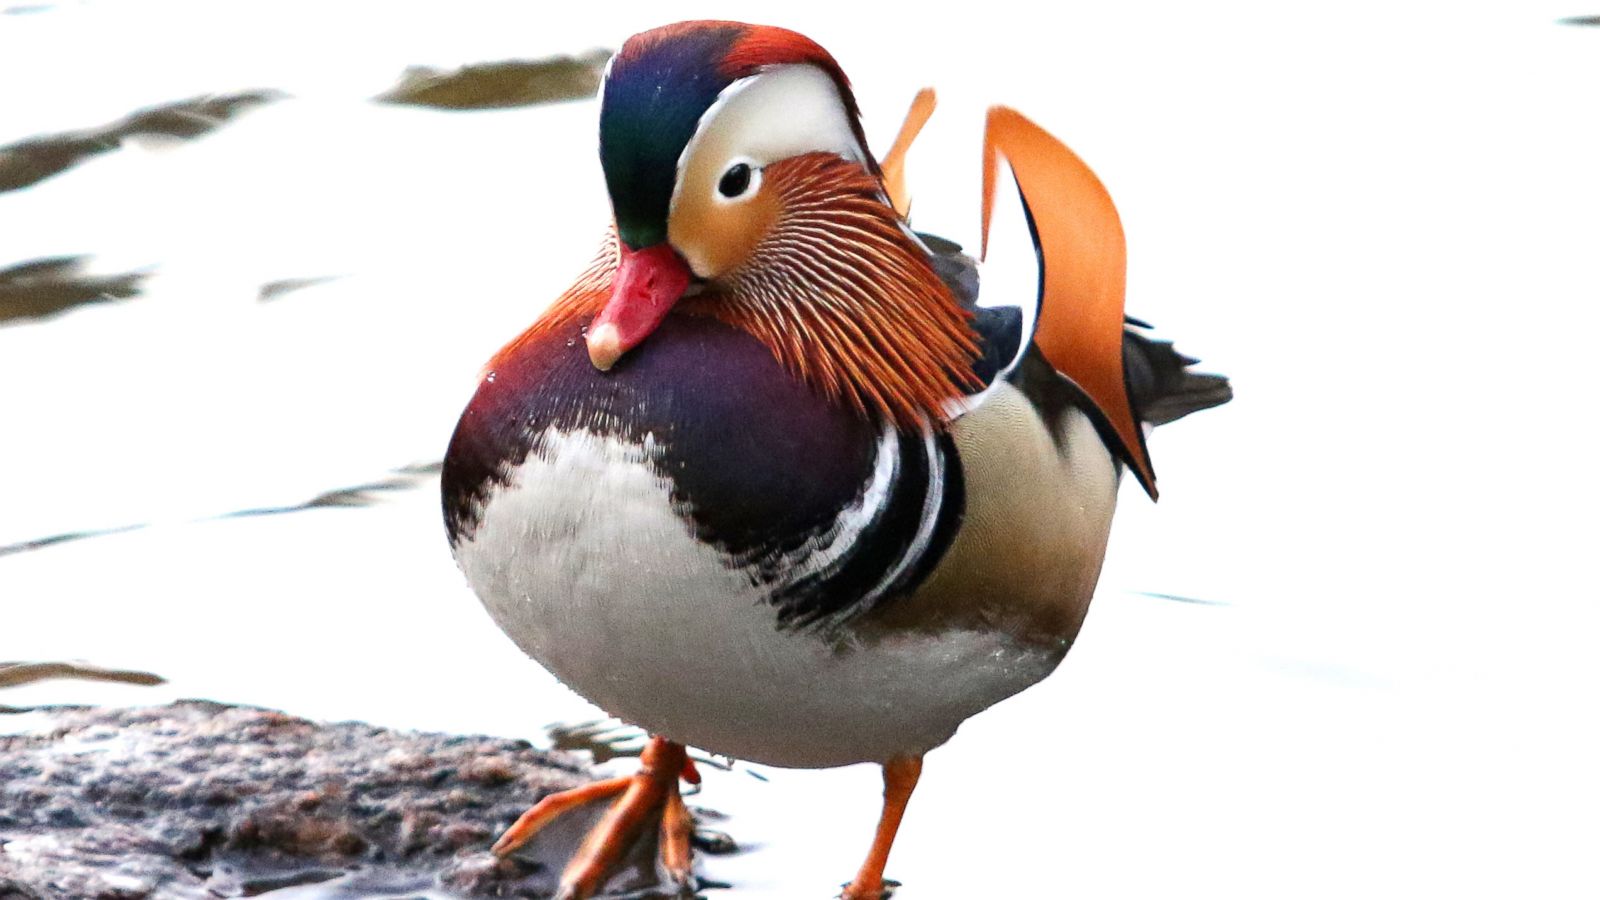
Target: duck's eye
735,181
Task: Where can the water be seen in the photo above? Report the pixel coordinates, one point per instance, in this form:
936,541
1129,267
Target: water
1379,220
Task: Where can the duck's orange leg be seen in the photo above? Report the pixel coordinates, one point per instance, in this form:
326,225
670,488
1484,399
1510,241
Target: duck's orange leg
899,780
650,792
677,835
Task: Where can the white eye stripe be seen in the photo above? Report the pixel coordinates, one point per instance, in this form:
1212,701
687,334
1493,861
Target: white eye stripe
706,118
780,112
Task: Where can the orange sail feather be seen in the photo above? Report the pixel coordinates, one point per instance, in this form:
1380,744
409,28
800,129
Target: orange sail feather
1083,263
894,162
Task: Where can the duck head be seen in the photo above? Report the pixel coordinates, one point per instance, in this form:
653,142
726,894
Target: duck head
742,189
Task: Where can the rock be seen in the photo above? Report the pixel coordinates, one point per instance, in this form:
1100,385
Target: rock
201,800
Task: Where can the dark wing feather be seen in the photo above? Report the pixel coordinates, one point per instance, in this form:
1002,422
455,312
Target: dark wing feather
999,329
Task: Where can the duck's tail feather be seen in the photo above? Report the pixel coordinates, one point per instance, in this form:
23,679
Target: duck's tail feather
1160,384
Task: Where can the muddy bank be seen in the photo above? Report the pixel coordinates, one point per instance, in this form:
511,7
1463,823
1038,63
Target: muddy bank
202,800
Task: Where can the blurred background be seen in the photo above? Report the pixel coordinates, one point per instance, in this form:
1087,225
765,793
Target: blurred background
253,254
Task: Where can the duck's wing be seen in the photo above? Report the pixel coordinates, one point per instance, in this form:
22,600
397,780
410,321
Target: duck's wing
1124,379
1002,331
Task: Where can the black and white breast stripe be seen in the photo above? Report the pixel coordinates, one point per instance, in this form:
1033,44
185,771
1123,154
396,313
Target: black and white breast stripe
881,546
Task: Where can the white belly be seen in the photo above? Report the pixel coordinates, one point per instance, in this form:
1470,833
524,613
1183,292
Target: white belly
582,561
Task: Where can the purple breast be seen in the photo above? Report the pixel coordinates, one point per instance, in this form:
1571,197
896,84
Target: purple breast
759,461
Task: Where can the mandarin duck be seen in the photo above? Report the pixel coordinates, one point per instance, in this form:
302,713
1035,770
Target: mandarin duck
768,480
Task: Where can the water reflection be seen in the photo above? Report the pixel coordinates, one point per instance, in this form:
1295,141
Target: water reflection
500,85
35,159
44,287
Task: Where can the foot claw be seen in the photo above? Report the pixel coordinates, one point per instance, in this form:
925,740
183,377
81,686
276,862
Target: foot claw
883,890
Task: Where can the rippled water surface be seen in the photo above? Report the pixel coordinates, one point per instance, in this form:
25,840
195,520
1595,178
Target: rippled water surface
252,256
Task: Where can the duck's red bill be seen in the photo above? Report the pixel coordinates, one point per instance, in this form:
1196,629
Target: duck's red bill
647,284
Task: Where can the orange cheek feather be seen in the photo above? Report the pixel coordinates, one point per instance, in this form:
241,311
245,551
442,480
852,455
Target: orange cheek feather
717,237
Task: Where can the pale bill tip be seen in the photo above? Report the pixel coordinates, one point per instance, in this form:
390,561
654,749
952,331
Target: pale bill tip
605,346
